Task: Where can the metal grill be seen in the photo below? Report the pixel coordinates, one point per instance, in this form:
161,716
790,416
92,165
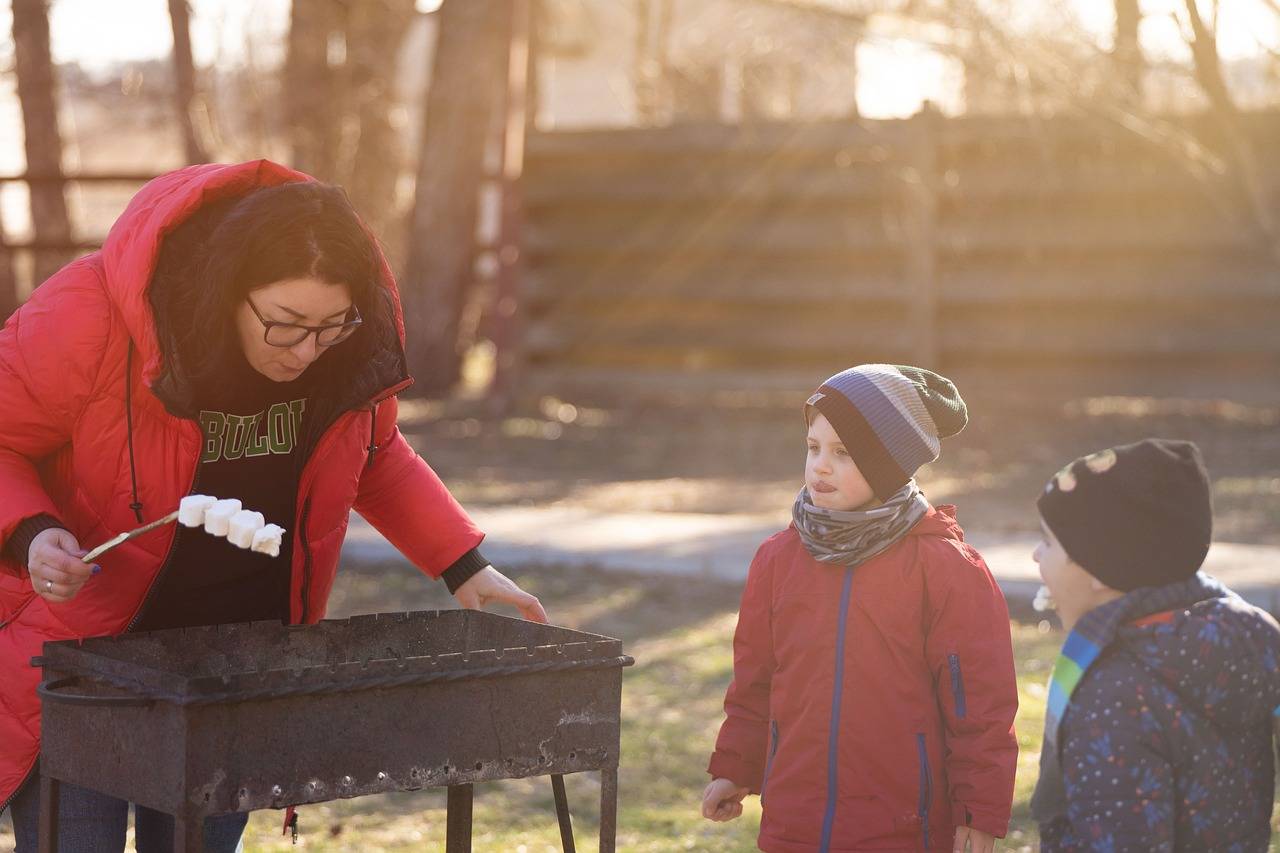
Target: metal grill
230,718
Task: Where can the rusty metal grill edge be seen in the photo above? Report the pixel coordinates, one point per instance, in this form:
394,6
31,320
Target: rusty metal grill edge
204,721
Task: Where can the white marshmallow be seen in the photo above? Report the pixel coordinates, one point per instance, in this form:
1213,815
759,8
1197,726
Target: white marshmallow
191,509
242,526
217,518
267,540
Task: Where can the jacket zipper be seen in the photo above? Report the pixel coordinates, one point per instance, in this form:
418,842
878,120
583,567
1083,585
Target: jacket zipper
168,557
926,787
304,486
957,684
25,781
833,737
306,559
31,772
21,607
164,567
773,750
373,430
306,568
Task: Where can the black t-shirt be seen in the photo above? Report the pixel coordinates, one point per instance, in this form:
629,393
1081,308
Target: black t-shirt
251,426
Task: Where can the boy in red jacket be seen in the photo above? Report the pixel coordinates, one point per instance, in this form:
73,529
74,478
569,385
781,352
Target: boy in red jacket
873,694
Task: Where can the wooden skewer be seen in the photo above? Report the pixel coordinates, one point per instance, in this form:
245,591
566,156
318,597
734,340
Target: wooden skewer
125,537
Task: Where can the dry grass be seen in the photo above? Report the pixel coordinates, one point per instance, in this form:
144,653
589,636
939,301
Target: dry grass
679,633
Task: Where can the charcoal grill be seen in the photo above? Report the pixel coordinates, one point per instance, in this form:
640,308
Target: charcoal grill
230,718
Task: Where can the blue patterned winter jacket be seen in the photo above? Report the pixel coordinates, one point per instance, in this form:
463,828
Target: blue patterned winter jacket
1166,744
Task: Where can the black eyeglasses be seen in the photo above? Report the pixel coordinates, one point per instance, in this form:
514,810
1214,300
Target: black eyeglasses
291,334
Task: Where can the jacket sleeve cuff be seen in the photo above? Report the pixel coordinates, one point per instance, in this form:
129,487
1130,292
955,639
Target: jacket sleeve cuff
18,545
965,815
463,569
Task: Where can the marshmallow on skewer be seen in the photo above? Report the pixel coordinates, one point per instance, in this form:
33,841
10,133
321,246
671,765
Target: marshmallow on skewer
267,540
217,518
191,509
242,526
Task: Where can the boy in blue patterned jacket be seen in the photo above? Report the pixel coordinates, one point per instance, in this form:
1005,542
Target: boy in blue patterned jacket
1158,731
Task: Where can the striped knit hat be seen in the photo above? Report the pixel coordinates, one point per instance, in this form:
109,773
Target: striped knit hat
890,418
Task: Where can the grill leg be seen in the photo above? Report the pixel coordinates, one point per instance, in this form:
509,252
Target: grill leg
458,820
608,809
50,789
188,834
562,813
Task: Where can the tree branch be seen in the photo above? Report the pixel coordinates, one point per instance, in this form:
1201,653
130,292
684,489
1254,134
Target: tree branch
1208,69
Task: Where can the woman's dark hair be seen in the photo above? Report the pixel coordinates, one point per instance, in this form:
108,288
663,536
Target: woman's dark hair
213,260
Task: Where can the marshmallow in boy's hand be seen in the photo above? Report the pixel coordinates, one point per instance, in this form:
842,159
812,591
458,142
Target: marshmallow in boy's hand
267,540
243,525
192,508
217,518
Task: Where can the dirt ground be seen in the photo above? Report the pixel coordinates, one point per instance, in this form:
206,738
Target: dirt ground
741,450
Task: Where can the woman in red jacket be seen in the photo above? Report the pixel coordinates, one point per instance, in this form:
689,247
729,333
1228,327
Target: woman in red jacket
239,335
873,688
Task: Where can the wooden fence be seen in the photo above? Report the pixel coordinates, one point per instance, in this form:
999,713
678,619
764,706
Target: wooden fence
959,243
971,242
22,259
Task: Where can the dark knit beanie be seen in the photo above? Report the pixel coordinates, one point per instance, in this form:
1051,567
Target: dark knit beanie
1136,515
890,419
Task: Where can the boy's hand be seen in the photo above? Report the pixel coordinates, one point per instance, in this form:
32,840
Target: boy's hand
978,841
722,800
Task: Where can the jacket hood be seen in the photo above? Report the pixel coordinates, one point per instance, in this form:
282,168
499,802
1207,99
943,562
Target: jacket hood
1220,655
939,521
132,247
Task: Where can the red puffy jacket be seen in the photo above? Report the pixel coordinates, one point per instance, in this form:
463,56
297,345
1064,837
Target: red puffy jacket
872,708
63,451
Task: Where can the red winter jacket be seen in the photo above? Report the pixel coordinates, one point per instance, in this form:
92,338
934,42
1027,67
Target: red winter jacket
63,451
872,708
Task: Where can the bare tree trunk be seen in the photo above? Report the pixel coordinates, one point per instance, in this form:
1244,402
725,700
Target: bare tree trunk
533,100
36,91
508,316
1204,50
312,105
662,55
643,71
855,109
1208,66
466,81
372,169
184,78
8,282
1127,54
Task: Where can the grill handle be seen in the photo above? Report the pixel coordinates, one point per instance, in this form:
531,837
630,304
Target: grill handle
48,691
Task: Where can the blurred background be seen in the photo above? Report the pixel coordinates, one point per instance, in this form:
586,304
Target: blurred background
632,235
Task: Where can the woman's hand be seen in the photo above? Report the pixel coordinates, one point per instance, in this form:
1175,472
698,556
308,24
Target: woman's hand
54,563
489,585
977,841
722,800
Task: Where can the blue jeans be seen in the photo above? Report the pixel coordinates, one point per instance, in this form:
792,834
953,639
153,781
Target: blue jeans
88,821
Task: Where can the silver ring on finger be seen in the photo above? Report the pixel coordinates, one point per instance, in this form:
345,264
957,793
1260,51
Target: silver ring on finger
48,586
